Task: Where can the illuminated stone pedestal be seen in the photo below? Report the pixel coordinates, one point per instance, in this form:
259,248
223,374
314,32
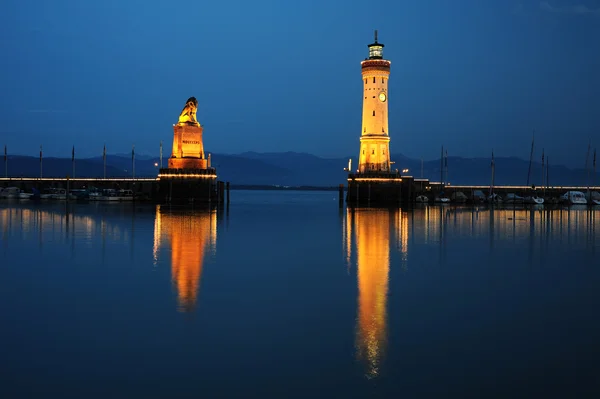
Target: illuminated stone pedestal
186,186
382,189
188,150
188,163
189,177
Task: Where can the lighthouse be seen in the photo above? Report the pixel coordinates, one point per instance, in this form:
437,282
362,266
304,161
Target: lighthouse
374,156
373,183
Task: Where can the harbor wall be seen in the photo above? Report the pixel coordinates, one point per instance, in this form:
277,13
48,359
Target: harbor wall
144,189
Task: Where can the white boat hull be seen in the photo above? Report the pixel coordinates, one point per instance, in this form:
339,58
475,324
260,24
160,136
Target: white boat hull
534,200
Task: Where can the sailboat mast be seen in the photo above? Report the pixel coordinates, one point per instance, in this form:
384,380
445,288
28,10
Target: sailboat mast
446,165
547,172
530,158
442,169
543,167
587,169
594,175
493,172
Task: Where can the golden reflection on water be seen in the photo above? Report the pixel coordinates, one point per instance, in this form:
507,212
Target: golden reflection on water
191,236
188,236
369,236
434,223
56,225
370,232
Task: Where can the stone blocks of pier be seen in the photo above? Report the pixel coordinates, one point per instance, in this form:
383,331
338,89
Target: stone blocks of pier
185,186
378,189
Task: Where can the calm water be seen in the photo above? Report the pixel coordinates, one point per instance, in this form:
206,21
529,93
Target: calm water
285,295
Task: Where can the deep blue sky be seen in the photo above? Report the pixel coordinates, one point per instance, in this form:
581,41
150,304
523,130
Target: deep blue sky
285,75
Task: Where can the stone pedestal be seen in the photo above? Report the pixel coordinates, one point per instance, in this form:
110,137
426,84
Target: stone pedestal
188,163
187,186
188,150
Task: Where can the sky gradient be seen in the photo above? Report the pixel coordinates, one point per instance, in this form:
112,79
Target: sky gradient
285,76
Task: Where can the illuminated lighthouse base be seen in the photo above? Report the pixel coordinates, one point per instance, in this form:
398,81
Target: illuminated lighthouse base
387,189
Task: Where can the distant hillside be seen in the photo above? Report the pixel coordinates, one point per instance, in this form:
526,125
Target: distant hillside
300,169
509,171
143,167
24,166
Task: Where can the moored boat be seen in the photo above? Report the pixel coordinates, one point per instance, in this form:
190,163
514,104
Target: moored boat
574,198
534,200
59,194
494,199
79,195
422,199
10,192
593,198
442,200
24,195
125,195
478,197
109,194
512,198
458,197
47,194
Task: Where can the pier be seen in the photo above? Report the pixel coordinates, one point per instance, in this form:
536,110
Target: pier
550,194
144,189
399,190
371,192
394,189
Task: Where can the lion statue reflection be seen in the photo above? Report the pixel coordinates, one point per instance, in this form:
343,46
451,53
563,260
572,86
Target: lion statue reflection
188,115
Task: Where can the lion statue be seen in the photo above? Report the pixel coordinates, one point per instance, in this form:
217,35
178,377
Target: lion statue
188,115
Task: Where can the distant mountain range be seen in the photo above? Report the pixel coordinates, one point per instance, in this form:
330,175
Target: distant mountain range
300,169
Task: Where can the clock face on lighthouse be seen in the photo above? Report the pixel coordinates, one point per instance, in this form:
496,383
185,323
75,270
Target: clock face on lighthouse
382,97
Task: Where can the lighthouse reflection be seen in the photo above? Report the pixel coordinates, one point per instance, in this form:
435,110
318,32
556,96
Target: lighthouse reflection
368,231
191,236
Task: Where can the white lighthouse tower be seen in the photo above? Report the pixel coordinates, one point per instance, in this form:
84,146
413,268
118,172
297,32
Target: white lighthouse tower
374,156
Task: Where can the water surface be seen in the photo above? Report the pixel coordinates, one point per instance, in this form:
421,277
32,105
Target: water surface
285,295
